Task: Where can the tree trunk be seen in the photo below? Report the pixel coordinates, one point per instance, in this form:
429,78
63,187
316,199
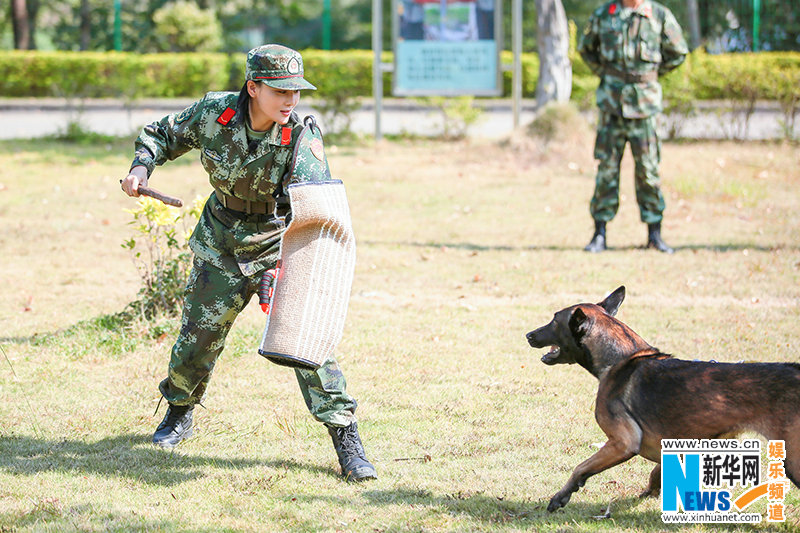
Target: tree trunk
20,24
33,15
86,25
555,70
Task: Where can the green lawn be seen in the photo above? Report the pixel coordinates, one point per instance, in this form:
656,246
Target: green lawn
462,249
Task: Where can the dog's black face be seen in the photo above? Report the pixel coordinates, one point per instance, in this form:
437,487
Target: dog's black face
564,333
563,348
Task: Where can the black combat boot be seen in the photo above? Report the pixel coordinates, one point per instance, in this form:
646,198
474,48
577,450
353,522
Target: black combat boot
654,239
350,451
598,242
176,426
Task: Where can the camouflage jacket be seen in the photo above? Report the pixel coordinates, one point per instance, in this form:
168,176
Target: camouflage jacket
215,126
629,49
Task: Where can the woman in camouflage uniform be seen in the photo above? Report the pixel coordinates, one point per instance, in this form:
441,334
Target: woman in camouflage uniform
246,141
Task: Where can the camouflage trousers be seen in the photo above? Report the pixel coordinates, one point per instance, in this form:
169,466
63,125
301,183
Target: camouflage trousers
613,132
214,298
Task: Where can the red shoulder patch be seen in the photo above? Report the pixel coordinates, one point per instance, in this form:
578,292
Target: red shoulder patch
286,136
612,9
226,116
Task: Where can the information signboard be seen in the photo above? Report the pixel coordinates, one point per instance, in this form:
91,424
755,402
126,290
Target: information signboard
447,47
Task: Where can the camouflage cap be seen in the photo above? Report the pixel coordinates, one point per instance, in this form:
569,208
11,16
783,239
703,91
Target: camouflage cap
276,66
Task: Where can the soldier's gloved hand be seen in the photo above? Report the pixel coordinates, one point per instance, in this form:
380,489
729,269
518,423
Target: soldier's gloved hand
136,177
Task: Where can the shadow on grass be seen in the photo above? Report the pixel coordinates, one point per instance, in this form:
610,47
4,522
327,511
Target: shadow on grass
131,455
494,510
722,248
625,513
110,323
52,516
119,330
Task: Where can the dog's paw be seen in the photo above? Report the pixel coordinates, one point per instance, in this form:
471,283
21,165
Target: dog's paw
558,501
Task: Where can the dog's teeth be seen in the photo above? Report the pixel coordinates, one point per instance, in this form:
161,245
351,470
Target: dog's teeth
552,355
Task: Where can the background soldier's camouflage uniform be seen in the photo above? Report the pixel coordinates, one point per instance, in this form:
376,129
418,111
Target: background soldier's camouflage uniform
232,248
628,49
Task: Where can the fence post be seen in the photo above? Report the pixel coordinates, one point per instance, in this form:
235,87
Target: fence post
516,45
326,24
756,24
377,67
118,25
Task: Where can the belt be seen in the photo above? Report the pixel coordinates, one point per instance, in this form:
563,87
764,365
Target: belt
251,207
632,77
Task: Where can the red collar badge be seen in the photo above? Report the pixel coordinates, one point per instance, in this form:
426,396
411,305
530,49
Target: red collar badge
226,116
286,136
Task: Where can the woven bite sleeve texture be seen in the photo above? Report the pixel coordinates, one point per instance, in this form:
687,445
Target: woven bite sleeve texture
312,290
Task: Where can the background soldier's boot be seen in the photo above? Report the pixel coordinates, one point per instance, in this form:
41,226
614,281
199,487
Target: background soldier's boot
350,451
654,239
598,242
176,426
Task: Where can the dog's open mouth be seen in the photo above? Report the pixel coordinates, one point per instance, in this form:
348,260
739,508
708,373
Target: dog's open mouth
550,357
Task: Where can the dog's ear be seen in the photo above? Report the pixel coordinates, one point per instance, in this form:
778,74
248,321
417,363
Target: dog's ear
613,301
579,324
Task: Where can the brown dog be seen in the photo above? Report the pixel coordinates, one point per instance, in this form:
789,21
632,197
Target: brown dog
645,396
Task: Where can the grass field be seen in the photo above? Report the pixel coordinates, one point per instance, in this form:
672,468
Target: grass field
462,248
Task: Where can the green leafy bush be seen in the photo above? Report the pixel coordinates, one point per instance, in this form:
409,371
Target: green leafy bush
341,79
458,114
530,73
111,74
161,254
740,76
789,98
679,102
557,122
348,74
185,27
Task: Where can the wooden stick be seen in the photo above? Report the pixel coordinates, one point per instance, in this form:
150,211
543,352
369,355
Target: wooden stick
158,195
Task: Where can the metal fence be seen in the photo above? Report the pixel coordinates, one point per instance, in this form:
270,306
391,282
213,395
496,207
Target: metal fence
747,25
742,25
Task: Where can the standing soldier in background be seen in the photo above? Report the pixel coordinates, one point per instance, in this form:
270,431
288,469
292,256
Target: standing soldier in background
629,43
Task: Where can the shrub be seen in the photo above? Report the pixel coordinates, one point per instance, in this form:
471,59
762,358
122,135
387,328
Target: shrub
530,73
341,78
184,27
679,102
348,74
740,76
111,74
458,114
788,95
161,255
556,121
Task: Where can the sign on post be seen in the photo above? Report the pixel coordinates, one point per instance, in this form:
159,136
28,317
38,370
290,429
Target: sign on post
447,47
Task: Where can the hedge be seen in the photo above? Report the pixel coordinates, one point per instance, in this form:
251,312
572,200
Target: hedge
765,75
111,74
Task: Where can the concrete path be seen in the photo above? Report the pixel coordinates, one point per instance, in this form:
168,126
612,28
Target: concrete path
37,117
